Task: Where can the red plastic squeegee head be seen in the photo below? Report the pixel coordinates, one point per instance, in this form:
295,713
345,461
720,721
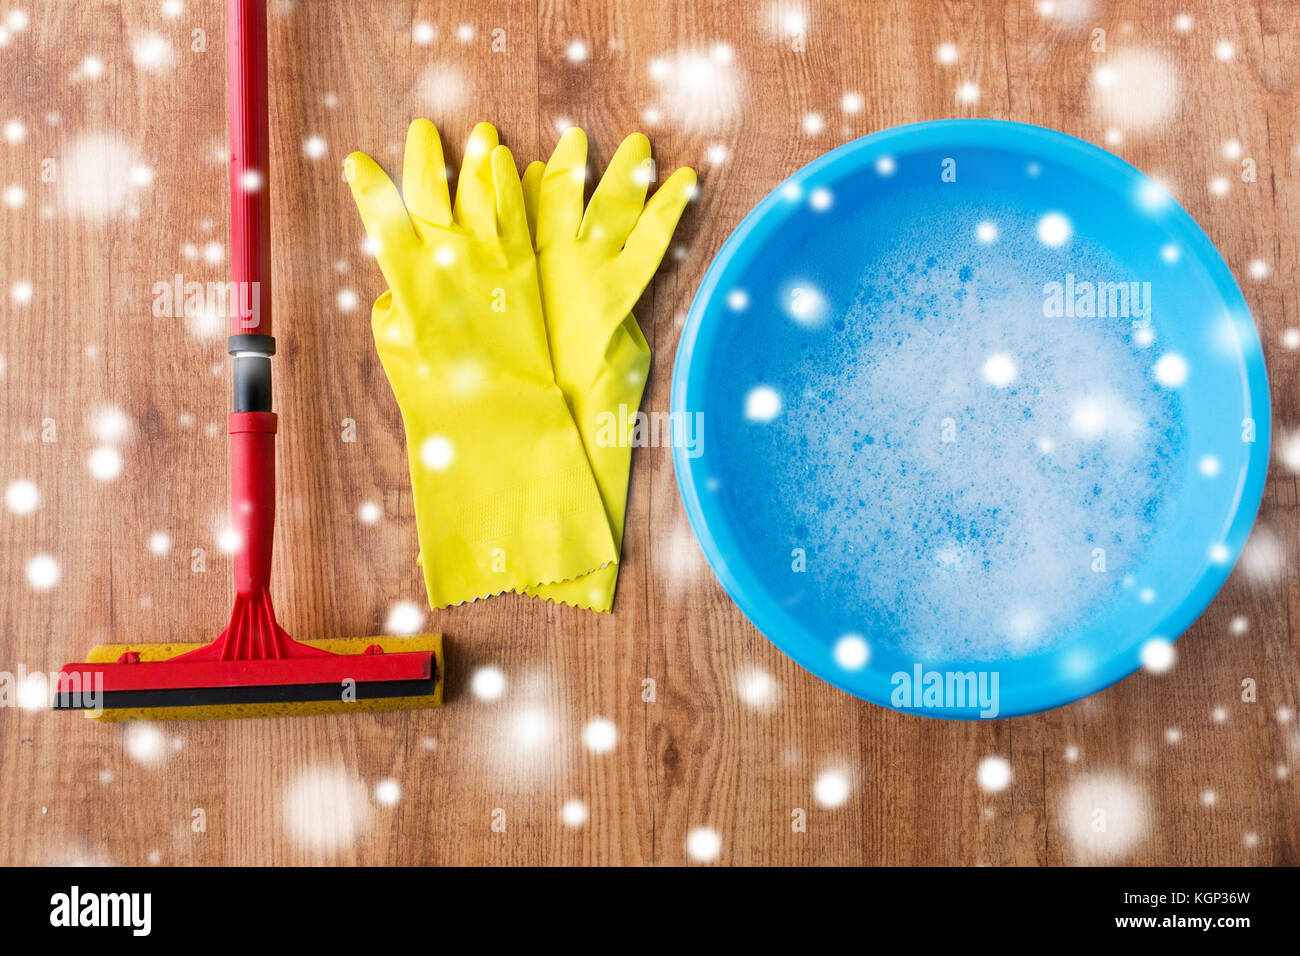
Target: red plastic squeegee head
252,661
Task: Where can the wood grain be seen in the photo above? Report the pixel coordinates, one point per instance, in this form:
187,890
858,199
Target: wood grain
666,669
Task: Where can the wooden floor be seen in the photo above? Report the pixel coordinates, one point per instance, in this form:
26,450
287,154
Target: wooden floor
121,184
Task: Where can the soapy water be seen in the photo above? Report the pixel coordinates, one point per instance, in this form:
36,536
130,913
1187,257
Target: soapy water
966,476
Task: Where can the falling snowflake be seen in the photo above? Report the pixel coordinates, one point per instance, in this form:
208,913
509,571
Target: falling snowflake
573,813
151,52
703,844
699,89
993,774
487,683
832,788
404,617
600,735
325,809
1136,89
1103,816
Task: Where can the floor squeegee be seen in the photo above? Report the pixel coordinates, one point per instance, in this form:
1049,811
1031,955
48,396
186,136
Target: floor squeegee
253,668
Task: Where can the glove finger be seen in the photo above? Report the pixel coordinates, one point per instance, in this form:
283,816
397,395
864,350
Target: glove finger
649,239
511,215
382,211
424,175
532,185
559,203
620,196
475,200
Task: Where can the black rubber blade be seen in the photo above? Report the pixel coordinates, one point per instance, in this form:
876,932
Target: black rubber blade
262,694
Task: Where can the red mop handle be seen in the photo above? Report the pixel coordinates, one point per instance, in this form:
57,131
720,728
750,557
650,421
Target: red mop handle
253,424
250,147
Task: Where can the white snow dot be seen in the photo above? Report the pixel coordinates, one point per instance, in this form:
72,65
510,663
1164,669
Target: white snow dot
1232,149
1219,186
21,292
738,300
762,404
22,497
346,300
851,103
1072,753
369,512
945,54
229,540
15,196
1114,137
531,728
851,652
1284,715
716,154
1158,655
15,131
423,33
171,9
813,123
404,617
1209,466
600,735
388,792
1219,715
703,844
577,51
999,371
464,33
1183,23
886,165
757,689
160,542
437,453
968,92
250,181
1224,51
573,813
214,253
488,683
832,788
986,232
314,147
1291,338
820,199
1173,735
1238,625
105,463
42,572
17,20
34,692
1258,269
325,809
444,255
1170,253
1209,798
92,67
145,743
151,52
1170,370
993,774
806,305
1054,229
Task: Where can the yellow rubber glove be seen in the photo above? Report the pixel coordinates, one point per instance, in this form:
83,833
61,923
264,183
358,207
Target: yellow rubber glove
593,269
504,496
